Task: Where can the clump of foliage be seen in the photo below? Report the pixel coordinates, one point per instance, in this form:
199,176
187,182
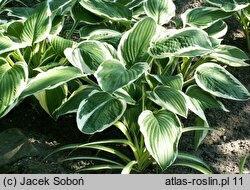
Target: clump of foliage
126,70
211,18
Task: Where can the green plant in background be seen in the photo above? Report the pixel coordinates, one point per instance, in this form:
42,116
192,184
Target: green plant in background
242,165
209,18
3,3
125,71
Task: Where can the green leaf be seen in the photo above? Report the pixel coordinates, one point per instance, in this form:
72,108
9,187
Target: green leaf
91,158
98,112
112,75
170,99
123,94
88,55
73,102
87,30
109,10
230,55
246,12
217,30
127,169
59,44
47,67
98,146
161,131
101,167
51,79
131,4
175,82
37,27
160,10
50,100
48,60
189,42
20,12
199,136
229,5
133,47
80,14
217,81
197,128
56,5
13,81
192,158
104,35
57,25
204,99
7,45
15,29
242,164
131,117
195,106
199,168
204,17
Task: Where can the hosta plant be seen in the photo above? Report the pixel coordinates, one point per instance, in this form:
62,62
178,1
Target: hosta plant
126,71
211,18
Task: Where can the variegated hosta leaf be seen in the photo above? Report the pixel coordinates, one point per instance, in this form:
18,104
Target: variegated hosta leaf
246,12
200,135
217,30
171,81
88,55
59,4
230,55
204,17
50,100
124,2
189,42
170,99
86,30
161,131
15,29
230,5
3,26
57,25
20,12
160,10
98,112
137,8
123,94
133,47
51,79
80,14
7,45
13,81
73,102
204,99
112,75
111,50
134,90
217,81
38,25
108,10
133,4
197,104
104,35
59,44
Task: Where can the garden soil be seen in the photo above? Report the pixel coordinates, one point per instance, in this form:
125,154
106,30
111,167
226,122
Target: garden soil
222,149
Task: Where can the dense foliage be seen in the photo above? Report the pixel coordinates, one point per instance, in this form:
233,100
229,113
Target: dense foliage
132,65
